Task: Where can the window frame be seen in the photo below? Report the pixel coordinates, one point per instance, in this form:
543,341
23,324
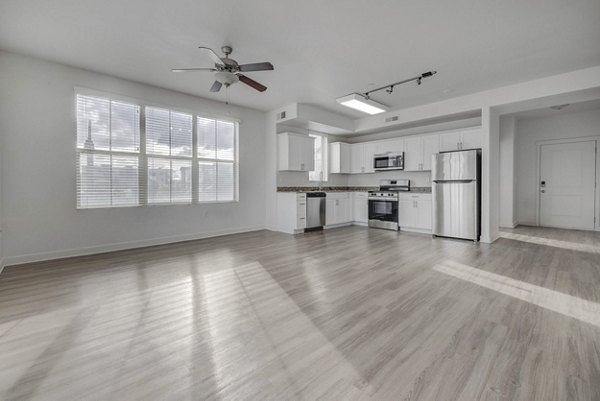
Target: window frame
143,156
216,160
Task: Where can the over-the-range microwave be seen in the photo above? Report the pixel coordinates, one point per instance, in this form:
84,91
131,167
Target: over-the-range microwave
388,161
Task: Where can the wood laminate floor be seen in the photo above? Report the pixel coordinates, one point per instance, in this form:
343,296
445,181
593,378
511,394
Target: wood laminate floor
348,314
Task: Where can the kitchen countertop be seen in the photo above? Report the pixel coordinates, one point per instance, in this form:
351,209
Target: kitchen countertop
345,189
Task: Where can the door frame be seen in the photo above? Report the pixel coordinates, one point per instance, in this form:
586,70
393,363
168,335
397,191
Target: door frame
538,173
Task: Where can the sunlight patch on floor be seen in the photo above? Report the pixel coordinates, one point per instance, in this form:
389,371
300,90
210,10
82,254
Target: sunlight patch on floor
574,246
556,301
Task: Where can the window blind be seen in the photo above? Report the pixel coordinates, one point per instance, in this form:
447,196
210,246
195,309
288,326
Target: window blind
217,167
168,161
169,153
108,152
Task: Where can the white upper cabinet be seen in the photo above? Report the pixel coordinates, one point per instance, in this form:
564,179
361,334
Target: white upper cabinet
450,141
431,146
339,158
296,152
361,157
471,139
413,153
418,151
459,140
389,145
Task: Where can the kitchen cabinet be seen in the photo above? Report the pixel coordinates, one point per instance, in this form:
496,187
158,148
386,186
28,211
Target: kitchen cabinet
360,207
418,151
389,146
471,139
296,152
339,158
291,212
459,140
361,157
414,212
338,208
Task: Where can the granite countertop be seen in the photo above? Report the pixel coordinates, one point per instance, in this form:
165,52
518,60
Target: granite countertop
345,189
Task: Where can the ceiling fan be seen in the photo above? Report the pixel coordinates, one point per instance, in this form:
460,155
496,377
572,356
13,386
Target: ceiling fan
228,71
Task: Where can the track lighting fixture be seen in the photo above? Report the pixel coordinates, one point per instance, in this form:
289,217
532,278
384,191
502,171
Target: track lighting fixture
363,102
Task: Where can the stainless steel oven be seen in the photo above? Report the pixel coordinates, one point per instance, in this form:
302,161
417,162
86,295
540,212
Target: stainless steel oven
383,210
383,204
388,161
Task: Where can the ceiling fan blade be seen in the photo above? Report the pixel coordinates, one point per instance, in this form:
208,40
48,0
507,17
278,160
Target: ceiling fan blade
252,83
192,69
266,66
216,86
211,53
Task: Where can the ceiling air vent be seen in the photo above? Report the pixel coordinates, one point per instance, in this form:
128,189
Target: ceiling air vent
281,116
391,119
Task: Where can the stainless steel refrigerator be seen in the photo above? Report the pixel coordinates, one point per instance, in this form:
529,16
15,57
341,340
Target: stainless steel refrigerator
456,189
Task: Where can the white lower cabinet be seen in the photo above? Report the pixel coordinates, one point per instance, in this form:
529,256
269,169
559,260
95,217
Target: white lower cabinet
338,208
291,212
360,207
414,212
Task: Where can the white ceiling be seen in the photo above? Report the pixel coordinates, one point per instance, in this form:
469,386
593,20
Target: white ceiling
571,108
321,49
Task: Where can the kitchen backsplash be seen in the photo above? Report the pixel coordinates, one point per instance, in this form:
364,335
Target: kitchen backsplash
417,178
297,179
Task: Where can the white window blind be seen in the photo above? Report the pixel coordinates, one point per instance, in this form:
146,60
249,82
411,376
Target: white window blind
321,169
168,162
217,164
169,153
108,152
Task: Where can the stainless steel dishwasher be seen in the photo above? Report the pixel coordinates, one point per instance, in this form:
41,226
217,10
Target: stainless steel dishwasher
315,210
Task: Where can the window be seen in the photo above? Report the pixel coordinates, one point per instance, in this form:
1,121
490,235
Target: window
108,153
216,161
320,171
167,162
169,153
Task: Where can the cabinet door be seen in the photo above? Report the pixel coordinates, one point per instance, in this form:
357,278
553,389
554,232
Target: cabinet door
413,154
406,213
431,146
307,162
423,214
471,139
356,154
394,145
294,153
450,141
346,210
368,155
344,158
330,212
335,155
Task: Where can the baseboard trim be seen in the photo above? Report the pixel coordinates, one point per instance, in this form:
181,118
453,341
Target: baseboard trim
121,246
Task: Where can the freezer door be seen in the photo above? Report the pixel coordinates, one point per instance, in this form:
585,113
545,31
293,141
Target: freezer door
454,166
455,209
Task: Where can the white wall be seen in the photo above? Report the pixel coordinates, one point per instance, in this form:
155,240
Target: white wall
507,172
38,179
529,132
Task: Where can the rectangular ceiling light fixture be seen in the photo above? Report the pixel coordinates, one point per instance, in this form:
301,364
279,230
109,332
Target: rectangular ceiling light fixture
361,103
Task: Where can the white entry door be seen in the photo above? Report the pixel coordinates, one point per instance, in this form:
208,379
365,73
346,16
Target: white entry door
567,185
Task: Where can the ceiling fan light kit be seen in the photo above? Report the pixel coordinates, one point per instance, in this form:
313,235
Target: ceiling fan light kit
362,101
228,71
